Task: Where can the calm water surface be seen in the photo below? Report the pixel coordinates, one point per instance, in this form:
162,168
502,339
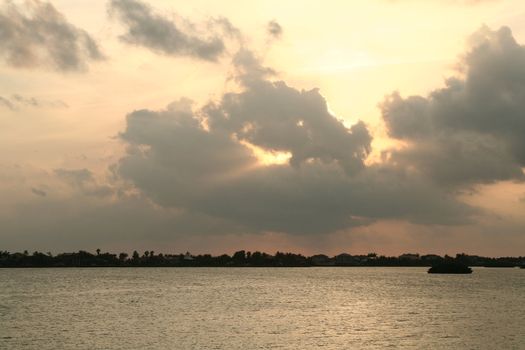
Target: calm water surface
260,308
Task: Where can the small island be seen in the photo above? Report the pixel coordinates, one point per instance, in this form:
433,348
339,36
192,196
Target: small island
450,266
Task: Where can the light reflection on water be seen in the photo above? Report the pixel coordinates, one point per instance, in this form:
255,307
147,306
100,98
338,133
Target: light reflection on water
261,308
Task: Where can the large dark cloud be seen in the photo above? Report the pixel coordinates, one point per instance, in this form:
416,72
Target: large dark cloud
199,162
36,34
472,130
161,34
277,117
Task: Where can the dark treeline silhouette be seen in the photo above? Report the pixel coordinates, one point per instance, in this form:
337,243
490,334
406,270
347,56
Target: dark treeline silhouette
240,259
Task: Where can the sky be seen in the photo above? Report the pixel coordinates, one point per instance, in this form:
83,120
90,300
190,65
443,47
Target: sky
386,126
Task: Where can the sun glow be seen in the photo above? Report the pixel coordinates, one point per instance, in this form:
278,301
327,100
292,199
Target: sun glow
339,60
266,157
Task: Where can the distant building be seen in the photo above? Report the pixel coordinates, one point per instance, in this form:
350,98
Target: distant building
322,260
431,257
172,258
344,259
409,256
188,256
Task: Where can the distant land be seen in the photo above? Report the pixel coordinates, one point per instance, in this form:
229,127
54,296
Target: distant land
241,259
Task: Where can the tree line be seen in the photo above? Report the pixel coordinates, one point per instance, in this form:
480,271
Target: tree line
239,259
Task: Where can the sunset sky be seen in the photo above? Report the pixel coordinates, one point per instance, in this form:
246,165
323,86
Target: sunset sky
386,126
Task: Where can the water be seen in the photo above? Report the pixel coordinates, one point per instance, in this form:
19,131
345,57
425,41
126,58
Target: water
261,308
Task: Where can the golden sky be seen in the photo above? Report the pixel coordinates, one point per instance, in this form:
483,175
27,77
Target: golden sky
68,152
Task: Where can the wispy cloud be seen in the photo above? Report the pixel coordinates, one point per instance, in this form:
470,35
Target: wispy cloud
35,34
274,29
17,101
164,35
38,192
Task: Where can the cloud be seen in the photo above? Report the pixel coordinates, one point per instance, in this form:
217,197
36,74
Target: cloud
38,192
83,180
248,68
161,34
76,176
199,169
6,103
70,217
471,130
35,102
274,29
35,35
74,223
278,118
17,101
202,162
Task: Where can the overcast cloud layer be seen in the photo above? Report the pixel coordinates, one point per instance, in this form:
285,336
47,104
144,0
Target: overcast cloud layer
35,34
195,168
